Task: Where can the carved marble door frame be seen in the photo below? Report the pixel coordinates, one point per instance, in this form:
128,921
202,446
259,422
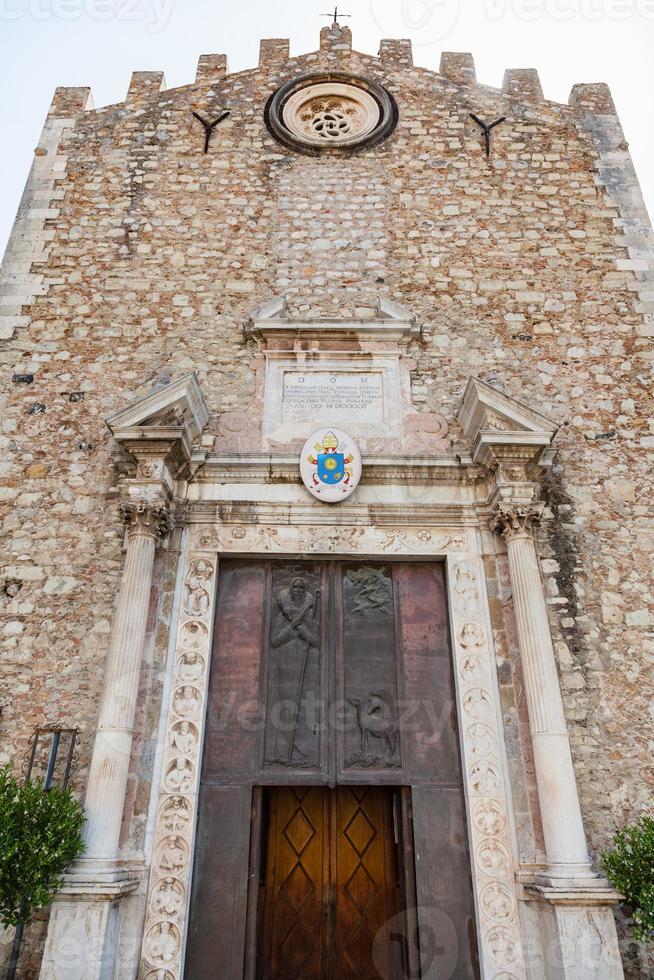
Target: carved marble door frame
492,851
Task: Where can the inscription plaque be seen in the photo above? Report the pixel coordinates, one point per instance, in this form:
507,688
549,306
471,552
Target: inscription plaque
360,393
338,394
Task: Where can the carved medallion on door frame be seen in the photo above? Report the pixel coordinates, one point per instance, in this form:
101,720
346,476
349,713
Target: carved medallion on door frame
493,860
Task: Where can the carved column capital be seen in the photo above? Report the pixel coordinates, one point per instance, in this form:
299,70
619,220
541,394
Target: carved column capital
147,518
516,520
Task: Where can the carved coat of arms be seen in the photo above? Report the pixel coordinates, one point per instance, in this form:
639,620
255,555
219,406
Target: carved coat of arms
330,465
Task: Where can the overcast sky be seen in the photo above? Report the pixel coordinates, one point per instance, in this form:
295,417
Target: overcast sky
45,43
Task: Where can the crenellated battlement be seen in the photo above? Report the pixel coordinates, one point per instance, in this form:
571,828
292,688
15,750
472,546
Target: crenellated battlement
523,84
144,85
274,52
396,54
211,68
459,67
520,84
70,101
594,99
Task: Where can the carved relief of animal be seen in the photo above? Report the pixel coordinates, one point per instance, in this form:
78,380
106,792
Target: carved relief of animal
375,720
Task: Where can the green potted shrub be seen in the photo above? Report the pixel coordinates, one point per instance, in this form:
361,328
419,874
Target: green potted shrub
629,866
40,834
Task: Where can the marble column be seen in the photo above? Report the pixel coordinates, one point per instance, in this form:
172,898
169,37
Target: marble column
83,930
105,794
565,841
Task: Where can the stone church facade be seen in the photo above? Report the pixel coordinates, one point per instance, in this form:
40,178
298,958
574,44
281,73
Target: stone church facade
200,278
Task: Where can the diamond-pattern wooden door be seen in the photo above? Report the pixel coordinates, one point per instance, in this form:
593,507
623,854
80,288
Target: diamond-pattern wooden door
330,885
296,886
366,883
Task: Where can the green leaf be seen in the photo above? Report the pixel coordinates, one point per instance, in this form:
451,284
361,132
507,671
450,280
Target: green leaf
629,865
40,834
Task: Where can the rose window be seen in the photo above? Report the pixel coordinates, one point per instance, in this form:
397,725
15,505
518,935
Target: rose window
333,120
331,124
315,114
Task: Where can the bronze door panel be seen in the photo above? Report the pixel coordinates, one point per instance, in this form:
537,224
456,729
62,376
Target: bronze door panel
294,681
371,738
233,715
218,911
330,671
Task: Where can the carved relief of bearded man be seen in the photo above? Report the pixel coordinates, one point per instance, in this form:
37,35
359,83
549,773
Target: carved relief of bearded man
294,642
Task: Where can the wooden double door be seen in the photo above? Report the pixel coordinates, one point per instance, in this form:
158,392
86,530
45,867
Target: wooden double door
332,881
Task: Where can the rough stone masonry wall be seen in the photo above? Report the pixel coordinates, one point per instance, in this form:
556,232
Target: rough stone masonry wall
135,251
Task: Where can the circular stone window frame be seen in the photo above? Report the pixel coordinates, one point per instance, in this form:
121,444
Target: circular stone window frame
372,94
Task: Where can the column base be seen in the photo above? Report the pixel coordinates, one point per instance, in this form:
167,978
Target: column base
580,941
573,891
83,929
564,874
97,873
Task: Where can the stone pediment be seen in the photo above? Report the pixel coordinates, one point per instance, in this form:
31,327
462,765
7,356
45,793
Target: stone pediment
496,425
393,322
158,431
178,405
